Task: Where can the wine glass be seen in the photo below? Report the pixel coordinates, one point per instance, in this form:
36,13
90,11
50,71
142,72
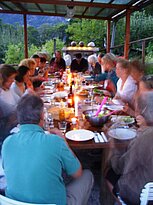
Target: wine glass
62,125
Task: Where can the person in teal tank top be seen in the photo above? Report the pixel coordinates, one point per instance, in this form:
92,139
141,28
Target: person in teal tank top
33,162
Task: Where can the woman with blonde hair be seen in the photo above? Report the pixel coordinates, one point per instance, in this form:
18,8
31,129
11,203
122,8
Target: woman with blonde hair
30,63
126,85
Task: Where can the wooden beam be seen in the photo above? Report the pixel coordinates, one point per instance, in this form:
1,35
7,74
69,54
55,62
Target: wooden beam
52,14
75,3
127,35
108,36
25,36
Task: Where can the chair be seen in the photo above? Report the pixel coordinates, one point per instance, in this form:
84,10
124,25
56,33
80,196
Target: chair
146,194
7,201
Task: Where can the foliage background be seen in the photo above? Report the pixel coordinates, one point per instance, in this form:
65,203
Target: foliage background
40,38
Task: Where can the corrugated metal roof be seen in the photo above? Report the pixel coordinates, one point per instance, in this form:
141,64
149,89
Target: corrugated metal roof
91,9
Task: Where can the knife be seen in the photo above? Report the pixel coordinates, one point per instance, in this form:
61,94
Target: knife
96,138
100,138
104,137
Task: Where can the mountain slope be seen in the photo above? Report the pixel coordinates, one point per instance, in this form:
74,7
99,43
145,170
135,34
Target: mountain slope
32,20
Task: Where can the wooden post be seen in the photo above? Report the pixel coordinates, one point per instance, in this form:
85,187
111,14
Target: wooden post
25,37
127,35
143,51
108,36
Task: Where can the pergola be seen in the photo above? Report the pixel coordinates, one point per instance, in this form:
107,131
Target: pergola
109,10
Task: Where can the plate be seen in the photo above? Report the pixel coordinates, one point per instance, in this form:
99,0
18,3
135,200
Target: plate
127,120
117,102
60,94
80,135
114,107
122,133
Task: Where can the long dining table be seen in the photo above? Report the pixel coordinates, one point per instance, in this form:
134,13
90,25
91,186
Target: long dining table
105,147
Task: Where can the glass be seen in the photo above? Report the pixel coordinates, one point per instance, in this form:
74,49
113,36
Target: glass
62,125
50,120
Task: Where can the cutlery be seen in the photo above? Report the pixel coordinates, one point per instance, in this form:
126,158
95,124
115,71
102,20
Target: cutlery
96,138
104,137
99,137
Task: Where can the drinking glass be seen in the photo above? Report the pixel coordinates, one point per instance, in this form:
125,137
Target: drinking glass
62,125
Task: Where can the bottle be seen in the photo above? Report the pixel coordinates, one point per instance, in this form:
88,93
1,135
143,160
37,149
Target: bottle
62,112
70,100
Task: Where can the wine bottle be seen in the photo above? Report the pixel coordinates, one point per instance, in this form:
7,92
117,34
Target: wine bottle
70,98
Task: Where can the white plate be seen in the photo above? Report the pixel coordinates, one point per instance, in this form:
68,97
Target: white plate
122,133
114,107
60,94
80,135
122,119
117,102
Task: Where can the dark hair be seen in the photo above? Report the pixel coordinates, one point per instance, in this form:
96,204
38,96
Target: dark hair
29,109
5,72
78,55
101,55
35,56
21,72
148,81
137,65
42,60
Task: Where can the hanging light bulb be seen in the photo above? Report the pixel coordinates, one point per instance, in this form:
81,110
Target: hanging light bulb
70,11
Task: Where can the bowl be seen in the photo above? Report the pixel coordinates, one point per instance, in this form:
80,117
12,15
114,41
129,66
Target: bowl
95,120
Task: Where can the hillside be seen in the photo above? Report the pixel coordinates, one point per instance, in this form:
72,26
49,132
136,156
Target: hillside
32,20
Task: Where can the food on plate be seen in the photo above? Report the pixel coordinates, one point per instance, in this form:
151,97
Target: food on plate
83,92
97,91
55,112
128,119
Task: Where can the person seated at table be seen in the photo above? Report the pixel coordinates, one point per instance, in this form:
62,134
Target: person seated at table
95,67
108,66
100,56
36,58
44,157
79,64
34,81
8,101
42,70
137,70
57,63
22,77
126,85
145,84
8,120
7,95
133,169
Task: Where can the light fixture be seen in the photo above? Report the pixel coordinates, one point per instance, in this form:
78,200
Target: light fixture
70,12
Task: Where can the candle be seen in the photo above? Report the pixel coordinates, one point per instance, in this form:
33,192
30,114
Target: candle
76,100
73,120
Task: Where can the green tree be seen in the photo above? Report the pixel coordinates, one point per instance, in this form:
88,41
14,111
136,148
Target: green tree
48,32
33,36
14,53
49,46
87,30
33,49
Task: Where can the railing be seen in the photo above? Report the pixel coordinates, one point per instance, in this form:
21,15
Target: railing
143,45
